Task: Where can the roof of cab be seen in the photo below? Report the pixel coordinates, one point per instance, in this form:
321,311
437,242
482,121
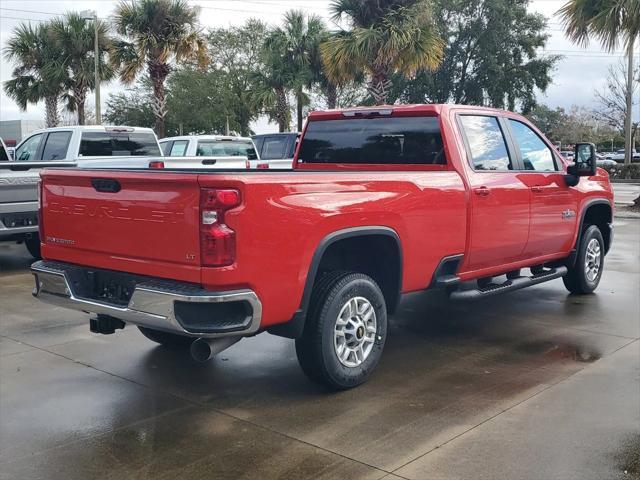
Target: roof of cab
217,138
430,108
96,128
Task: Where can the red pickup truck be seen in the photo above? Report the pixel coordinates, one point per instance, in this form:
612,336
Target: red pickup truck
380,202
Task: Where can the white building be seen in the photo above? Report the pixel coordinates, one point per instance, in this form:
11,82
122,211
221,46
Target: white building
13,131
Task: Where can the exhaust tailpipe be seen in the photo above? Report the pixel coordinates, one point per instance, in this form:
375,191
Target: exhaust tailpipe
204,349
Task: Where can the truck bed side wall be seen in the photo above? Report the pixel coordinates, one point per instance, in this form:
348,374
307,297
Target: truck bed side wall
285,217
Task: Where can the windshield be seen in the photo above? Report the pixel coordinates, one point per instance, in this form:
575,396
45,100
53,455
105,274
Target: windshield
3,153
112,144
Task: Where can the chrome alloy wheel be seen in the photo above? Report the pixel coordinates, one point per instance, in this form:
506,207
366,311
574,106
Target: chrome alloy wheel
355,332
592,260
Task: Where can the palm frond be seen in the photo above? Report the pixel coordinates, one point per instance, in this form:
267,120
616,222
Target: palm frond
609,21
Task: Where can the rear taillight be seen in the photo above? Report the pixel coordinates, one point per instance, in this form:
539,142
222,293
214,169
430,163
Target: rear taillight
156,164
263,166
217,240
40,216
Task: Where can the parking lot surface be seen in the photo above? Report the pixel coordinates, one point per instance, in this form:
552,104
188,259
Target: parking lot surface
536,384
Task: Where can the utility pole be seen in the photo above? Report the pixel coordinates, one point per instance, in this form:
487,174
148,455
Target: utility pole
93,15
97,71
628,119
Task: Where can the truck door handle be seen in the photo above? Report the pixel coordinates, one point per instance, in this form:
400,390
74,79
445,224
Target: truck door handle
537,189
482,191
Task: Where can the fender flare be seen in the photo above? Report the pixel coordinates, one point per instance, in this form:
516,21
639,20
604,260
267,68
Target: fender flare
583,213
294,327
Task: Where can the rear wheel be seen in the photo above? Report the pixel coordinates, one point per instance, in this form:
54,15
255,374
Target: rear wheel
33,245
584,276
166,339
345,332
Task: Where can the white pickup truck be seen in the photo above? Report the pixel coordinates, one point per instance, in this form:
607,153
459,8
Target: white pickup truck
217,151
71,143
76,146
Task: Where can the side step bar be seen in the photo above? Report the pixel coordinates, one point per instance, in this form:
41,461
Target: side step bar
510,285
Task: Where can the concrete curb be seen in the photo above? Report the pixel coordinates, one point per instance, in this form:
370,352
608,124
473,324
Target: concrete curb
620,214
633,181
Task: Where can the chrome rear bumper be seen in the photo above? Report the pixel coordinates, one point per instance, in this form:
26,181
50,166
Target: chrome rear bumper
152,304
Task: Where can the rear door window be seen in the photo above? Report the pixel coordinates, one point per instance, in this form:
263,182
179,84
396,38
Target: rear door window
108,144
29,148
56,145
486,143
389,140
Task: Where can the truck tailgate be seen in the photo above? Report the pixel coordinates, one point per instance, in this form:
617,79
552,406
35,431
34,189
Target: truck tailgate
141,222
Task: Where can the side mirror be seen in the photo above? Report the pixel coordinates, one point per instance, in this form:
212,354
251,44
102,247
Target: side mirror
252,154
584,164
585,160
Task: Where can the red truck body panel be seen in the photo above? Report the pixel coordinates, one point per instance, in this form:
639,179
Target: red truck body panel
151,226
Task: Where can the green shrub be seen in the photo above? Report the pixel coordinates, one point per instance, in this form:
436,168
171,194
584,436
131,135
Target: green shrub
622,171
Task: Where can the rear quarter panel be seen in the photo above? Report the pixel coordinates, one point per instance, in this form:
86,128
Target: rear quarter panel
284,217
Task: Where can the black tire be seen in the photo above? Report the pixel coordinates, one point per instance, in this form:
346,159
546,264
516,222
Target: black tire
577,280
33,245
166,339
316,350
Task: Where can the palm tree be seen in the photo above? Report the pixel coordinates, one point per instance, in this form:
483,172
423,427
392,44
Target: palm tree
385,37
611,22
156,33
75,37
37,75
297,40
270,94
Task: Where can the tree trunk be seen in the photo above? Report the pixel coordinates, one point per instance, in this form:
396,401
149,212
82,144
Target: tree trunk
299,111
51,111
282,110
332,95
628,118
158,73
379,87
80,95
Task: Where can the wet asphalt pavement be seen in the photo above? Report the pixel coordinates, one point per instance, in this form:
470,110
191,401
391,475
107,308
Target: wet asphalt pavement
535,384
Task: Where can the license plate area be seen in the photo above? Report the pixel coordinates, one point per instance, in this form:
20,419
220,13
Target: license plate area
103,286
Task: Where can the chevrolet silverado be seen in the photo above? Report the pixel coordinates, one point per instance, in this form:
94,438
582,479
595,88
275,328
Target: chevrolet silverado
380,202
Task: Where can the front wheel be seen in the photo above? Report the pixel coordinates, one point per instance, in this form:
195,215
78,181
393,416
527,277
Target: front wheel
584,276
345,332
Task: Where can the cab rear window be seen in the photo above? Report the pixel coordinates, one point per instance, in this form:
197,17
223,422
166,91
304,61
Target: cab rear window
223,148
390,140
115,144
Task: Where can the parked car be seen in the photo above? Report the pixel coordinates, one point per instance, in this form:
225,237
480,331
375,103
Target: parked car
606,163
223,151
567,154
618,156
77,146
381,202
276,150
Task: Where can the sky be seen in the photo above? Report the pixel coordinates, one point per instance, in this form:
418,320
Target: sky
581,72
